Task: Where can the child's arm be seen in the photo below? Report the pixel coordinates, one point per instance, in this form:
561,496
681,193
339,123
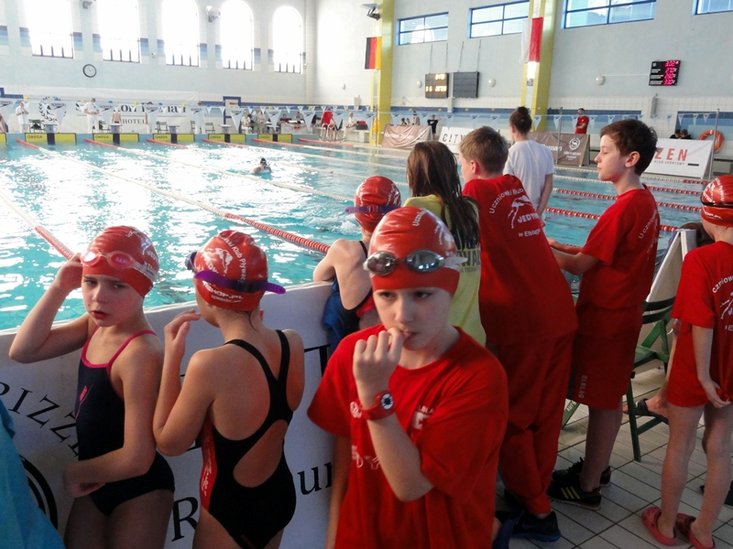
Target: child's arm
341,461
325,271
702,344
546,193
36,340
180,413
137,369
374,361
570,258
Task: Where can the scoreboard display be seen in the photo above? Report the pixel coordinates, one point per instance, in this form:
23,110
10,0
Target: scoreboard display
436,85
664,73
465,84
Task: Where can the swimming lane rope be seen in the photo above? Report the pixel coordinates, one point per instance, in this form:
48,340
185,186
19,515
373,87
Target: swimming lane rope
652,188
588,215
166,143
284,235
601,196
35,225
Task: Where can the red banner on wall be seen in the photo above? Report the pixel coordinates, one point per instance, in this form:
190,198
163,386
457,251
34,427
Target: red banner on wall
535,38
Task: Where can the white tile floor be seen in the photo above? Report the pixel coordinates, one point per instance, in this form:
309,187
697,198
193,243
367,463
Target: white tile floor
633,487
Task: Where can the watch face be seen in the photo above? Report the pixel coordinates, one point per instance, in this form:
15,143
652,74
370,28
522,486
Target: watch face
89,70
386,402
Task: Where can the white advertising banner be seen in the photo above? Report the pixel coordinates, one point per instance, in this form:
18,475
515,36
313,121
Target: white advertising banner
681,157
40,399
452,136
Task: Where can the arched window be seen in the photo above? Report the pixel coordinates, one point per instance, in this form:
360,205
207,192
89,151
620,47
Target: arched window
237,35
181,32
119,30
287,41
49,26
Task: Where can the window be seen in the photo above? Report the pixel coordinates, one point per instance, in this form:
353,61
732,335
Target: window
712,6
497,20
181,32
584,13
119,30
49,26
287,54
237,35
429,28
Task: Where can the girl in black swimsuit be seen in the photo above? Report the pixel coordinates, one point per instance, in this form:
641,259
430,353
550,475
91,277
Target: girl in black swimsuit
238,398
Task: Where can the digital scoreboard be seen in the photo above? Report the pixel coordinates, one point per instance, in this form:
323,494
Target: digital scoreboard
664,73
436,85
465,84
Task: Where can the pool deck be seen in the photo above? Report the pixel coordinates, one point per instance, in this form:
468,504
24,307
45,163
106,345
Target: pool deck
634,486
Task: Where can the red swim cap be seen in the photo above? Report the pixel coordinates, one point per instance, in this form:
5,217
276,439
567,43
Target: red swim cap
374,197
123,252
236,257
412,236
717,201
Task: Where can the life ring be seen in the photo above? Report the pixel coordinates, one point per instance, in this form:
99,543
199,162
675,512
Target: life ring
718,138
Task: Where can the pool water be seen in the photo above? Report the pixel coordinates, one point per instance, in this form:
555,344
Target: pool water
178,196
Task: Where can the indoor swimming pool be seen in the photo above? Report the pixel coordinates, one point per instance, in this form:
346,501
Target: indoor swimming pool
181,196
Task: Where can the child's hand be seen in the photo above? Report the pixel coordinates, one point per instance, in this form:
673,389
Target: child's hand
715,395
76,487
68,277
175,335
374,361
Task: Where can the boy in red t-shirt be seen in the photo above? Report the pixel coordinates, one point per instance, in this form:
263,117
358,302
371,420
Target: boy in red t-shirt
617,263
527,312
417,406
701,377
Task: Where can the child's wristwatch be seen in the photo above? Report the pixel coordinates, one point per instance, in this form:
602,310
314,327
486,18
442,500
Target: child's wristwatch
383,406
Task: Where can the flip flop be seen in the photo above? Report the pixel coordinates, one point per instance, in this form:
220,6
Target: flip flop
643,410
682,525
649,518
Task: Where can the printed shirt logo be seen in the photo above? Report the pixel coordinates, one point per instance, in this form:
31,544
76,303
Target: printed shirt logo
422,414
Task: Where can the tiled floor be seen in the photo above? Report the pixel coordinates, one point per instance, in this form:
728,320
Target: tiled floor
633,487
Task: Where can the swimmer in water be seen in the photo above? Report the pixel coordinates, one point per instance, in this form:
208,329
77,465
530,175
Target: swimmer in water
263,167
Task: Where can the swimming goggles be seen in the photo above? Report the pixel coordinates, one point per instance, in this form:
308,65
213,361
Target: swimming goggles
716,204
243,286
420,261
370,209
117,260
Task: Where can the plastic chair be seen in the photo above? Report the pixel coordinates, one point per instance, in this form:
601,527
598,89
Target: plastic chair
655,346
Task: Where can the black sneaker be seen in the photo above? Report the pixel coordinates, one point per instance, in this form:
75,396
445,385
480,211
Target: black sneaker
571,475
539,529
574,494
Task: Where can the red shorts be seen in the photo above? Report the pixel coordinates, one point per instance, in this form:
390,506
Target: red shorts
601,369
683,388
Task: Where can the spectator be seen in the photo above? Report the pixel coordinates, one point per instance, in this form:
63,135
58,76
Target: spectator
581,123
21,114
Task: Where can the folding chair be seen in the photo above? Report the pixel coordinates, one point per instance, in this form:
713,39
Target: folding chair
656,313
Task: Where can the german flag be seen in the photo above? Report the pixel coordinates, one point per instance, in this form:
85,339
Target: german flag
372,59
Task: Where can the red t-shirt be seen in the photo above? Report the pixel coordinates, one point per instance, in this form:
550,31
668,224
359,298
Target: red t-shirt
704,299
455,411
581,124
625,243
523,292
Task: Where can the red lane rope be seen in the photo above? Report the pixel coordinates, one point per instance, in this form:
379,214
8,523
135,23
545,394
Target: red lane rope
588,215
294,238
601,196
674,191
26,144
100,144
55,242
166,143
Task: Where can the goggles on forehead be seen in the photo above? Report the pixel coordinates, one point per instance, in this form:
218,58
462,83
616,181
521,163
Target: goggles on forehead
420,261
243,286
370,209
117,260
